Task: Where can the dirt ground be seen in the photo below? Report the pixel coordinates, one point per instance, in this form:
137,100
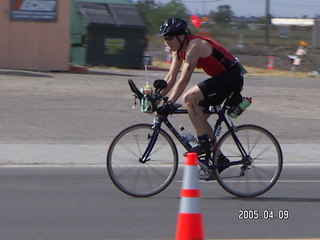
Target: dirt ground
65,107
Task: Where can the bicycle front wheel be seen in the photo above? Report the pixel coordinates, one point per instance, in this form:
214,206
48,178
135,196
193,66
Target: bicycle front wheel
257,170
137,178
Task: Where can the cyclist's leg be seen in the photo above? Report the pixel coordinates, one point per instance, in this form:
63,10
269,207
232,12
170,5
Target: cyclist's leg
210,92
215,90
199,119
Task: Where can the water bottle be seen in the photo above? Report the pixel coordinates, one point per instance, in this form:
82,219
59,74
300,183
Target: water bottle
147,90
146,104
236,110
188,137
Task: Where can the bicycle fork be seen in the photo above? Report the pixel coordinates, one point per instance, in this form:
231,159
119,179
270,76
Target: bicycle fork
152,140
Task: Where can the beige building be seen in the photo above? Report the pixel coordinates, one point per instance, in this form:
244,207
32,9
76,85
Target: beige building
35,35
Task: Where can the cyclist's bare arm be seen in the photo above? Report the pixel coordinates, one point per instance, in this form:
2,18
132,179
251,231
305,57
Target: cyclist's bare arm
171,76
195,50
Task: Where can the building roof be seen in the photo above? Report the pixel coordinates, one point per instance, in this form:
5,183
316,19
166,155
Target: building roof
292,21
111,14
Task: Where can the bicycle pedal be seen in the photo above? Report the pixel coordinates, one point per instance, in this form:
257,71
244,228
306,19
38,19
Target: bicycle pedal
210,178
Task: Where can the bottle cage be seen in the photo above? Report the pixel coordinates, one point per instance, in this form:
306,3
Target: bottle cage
146,105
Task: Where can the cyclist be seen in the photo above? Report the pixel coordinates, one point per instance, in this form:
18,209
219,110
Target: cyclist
189,52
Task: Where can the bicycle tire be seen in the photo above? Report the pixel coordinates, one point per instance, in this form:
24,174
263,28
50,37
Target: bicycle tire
265,164
141,179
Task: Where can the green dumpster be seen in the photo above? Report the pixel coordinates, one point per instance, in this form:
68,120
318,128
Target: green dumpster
107,34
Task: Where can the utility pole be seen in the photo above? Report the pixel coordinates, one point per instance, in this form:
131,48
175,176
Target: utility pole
267,22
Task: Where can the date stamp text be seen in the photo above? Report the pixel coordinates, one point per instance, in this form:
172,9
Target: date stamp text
256,214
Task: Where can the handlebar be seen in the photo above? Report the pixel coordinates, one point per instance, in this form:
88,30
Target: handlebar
149,102
135,90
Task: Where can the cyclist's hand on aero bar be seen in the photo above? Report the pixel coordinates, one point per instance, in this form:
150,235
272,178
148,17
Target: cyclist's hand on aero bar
166,109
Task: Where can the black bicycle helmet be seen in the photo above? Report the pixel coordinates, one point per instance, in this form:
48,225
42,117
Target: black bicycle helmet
174,26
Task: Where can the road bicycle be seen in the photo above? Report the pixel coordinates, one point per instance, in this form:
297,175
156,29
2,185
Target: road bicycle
142,160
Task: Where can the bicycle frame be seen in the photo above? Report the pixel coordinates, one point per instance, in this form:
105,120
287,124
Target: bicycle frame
220,111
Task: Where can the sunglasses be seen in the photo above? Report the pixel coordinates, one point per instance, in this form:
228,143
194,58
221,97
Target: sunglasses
168,38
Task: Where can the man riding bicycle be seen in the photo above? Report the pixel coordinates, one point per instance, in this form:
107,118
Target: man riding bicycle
189,52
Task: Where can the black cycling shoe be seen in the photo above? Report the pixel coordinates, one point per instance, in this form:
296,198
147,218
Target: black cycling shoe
198,149
206,172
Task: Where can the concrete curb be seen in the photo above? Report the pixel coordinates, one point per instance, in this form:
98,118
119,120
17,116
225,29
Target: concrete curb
95,154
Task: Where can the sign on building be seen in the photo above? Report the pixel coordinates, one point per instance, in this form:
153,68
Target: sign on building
34,10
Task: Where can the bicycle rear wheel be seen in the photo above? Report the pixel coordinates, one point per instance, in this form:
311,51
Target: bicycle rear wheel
259,169
132,176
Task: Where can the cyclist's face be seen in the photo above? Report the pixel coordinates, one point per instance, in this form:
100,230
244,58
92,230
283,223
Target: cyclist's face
172,42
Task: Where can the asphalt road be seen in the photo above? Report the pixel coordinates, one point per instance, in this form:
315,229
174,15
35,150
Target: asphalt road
81,203
64,123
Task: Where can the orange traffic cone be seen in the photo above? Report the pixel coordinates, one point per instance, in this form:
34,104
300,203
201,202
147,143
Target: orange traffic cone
190,226
271,63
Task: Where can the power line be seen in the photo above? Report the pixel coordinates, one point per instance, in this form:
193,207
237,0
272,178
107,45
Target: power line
298,4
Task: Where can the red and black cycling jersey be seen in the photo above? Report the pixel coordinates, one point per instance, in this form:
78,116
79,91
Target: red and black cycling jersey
218,62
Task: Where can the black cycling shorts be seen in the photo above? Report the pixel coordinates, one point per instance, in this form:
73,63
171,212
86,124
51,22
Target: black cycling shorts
216,89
